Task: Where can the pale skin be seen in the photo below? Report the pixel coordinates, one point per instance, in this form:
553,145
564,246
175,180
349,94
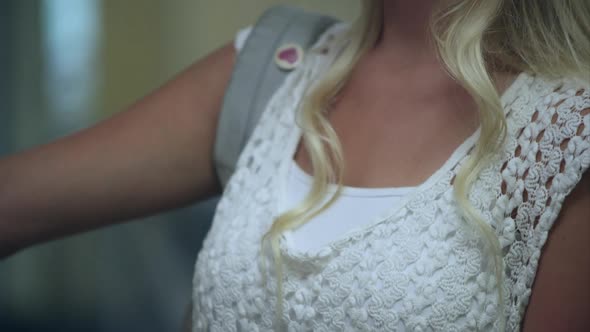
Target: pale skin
157,155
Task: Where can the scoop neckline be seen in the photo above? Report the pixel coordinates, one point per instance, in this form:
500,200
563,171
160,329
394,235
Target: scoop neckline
287,159
288,152
367,192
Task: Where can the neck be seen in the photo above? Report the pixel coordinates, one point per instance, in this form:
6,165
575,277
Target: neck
406,28
406,41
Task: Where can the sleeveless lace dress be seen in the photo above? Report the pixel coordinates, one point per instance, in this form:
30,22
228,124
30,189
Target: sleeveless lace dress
417,267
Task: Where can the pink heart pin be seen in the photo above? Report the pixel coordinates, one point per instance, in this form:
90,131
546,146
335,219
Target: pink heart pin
289,56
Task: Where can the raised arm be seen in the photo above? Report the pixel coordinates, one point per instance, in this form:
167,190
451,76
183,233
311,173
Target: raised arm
154,156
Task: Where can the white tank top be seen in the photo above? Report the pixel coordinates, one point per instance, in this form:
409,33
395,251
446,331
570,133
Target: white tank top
355,208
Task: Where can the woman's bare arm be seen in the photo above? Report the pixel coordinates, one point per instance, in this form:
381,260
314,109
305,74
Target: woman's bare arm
154,156
560,299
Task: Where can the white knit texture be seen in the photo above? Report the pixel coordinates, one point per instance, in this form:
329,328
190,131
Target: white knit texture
419,267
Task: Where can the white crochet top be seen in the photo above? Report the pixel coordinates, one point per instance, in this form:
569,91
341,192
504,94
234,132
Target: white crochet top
417,267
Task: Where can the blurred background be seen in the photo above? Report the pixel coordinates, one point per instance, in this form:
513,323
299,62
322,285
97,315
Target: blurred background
65,65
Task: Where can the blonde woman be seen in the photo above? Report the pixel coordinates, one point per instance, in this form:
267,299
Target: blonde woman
423,169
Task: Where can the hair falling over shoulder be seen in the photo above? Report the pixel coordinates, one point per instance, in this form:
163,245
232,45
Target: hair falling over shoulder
474,39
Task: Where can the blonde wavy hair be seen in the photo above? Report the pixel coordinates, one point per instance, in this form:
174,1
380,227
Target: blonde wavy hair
474,39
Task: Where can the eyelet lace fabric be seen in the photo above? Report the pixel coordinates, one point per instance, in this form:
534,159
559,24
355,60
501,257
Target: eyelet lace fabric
418,268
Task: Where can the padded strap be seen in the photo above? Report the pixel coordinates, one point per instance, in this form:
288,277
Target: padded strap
256,77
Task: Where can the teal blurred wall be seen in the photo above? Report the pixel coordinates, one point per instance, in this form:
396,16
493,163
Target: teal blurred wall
66,64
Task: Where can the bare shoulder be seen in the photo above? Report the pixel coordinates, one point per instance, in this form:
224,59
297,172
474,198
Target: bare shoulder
560,299
185,111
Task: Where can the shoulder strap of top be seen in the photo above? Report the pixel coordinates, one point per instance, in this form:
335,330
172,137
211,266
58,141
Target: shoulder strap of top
256,77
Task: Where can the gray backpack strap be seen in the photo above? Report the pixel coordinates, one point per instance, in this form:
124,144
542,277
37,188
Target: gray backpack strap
256,77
